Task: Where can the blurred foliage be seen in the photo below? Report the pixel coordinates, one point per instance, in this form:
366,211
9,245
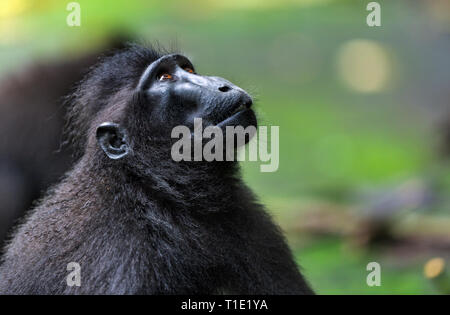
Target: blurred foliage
338,137
346,272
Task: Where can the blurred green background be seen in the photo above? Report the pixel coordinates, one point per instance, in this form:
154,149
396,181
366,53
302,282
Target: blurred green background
361,175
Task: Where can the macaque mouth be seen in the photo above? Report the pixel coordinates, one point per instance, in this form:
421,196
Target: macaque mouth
242,107
239,108
241,114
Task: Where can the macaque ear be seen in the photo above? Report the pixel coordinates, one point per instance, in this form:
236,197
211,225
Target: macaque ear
113,140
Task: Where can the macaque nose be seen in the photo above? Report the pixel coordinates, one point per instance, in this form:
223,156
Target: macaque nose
224,88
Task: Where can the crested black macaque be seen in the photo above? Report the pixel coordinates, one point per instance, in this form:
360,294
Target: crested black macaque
136,221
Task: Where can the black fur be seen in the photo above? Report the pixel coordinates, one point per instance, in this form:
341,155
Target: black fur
145,224
31,124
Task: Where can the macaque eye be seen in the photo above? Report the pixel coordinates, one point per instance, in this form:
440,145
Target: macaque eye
190,70
165,76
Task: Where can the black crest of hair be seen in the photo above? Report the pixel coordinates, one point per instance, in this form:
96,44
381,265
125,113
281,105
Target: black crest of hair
144,223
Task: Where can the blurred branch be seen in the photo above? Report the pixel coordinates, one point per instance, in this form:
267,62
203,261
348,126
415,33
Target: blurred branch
423,230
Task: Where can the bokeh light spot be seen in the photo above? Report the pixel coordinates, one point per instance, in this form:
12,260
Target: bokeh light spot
364,66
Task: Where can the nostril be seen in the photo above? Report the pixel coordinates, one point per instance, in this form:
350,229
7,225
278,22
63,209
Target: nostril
224,88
